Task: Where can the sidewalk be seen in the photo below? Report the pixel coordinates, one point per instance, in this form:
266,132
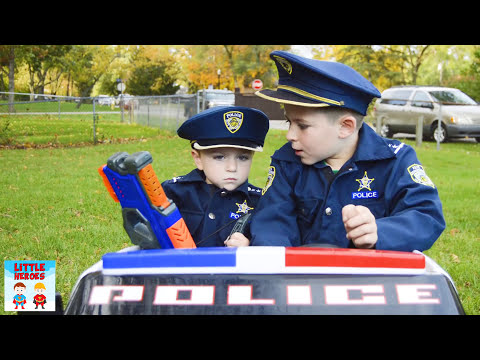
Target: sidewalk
278,124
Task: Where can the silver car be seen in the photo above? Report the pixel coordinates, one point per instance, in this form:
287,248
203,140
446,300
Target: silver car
399,109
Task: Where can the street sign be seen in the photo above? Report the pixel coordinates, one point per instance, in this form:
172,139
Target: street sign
257,84
121,86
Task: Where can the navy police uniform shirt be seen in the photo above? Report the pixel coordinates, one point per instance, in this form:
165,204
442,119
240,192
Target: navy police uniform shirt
303,204
209,212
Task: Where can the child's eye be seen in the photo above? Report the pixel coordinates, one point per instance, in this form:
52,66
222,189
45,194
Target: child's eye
218,157
243,157
302,126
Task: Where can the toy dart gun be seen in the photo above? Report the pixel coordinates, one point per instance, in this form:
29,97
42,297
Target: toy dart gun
150,219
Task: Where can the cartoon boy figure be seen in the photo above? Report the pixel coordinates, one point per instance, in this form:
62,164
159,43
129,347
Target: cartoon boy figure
39,299
19,299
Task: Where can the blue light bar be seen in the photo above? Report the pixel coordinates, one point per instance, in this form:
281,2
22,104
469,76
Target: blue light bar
171,258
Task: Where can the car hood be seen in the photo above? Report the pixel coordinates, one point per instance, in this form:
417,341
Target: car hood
470,111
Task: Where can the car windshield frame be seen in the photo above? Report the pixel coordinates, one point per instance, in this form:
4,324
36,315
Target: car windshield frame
451,97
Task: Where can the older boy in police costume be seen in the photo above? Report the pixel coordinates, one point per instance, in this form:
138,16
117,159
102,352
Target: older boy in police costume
336,181
214,196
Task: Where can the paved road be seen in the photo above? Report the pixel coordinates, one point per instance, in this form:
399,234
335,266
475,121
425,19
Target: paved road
278,124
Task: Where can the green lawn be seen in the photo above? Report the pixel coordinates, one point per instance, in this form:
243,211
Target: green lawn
54,206
55,106
69,130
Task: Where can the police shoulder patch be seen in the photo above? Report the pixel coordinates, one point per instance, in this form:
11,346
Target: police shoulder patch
418,174
270,177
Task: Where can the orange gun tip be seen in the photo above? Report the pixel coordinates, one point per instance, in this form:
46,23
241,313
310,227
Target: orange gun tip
107,183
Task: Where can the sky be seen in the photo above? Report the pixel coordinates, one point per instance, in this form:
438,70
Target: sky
303,50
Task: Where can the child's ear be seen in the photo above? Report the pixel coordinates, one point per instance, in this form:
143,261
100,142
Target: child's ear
196,158
348,125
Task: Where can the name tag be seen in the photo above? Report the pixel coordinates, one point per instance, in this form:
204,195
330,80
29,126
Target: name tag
364,195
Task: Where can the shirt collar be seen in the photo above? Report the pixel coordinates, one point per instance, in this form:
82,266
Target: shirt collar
371,146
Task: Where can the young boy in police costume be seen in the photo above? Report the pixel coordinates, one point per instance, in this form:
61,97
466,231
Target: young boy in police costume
212,197
336,181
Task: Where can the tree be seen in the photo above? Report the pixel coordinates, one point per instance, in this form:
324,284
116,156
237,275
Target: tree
227,66
155,72
249,62
40,59
466,78
199,67
413,56
383,65
7,59
87,64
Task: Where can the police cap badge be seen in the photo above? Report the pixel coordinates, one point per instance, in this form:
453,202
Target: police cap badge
317,83
226,126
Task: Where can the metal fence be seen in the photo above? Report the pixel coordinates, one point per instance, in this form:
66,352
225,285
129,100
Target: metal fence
165,112
41,104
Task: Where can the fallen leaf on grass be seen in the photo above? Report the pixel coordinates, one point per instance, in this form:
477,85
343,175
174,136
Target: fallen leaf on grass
455,258
454,231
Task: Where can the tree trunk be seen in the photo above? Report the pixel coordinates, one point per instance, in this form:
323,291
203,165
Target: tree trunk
11,79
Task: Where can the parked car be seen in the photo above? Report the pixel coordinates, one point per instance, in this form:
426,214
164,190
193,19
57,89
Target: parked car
104,100
400,107
210,98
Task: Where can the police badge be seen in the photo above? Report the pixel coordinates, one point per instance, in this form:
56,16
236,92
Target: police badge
285,64
233,120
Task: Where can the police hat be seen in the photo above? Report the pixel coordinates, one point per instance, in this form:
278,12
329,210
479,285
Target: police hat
317,83
226,126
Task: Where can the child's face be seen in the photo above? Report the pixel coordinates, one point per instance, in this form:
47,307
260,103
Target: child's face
226,168
39,290
313,137
19,290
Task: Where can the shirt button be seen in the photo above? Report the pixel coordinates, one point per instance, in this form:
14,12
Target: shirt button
328,211
211,216
223,193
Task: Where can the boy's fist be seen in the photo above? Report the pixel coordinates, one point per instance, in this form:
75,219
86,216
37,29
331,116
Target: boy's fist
360,226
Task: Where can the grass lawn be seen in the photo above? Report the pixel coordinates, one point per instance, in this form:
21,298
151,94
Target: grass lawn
69,130
54,206
55,106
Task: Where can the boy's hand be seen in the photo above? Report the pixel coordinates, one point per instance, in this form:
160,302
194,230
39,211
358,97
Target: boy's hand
360,225
236,240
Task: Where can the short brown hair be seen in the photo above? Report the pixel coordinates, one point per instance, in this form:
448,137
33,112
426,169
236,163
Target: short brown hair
333,113
19,284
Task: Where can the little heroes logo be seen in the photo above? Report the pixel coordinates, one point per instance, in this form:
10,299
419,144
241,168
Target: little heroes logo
29,285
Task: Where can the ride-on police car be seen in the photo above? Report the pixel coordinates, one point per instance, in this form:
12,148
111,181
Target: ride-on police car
164,273
264,280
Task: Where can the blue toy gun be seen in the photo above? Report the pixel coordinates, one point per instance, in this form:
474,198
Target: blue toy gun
150,219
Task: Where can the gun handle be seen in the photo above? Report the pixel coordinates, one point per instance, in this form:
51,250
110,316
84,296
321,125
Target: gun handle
180,236
153,187
178,232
